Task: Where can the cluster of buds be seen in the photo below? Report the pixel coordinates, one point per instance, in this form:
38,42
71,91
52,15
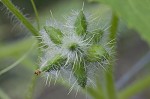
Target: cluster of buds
76,48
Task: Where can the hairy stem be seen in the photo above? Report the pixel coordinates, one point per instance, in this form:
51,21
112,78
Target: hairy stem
20,16
96,93
113,29
31,88
110,86
36,14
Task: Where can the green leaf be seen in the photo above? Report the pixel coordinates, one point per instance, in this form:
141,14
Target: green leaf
135,13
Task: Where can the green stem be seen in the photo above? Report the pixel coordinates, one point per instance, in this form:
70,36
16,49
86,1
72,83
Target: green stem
36,14
31,88
29,26
113,29
135,88
110,86
18,14
95,93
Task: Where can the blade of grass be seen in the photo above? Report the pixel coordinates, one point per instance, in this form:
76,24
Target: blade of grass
12,65
20,16
15,48
17,62
134,70
135,88
3,95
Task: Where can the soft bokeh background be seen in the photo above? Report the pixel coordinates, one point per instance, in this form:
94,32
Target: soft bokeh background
15,41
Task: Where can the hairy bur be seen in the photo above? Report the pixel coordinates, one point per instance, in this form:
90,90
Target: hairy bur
82,49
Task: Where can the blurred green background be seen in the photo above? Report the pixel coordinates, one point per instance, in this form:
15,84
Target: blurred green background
15,41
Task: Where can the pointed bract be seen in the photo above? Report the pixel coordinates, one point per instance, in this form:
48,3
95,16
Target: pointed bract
80,24
96,53
97,36
54,64
54,34
80,73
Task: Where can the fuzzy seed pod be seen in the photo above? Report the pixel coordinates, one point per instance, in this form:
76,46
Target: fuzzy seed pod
76,48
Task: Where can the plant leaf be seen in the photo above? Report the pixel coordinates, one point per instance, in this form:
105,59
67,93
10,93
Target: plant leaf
135,13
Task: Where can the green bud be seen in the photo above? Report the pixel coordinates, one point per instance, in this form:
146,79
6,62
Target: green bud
54,34
96,53
97,35
72,46
80,74
54,64
80,24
